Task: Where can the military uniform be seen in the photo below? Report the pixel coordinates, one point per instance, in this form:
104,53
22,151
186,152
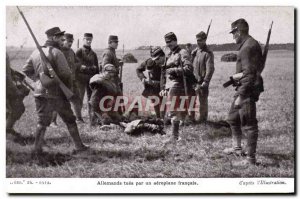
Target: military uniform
174,81
88,58
14,99
152,85
203,64
243,117
109,57
74,65
104,85
49,98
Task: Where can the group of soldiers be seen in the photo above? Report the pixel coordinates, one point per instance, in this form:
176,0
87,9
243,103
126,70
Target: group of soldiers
180,72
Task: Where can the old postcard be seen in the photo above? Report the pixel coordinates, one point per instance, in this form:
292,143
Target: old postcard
150,99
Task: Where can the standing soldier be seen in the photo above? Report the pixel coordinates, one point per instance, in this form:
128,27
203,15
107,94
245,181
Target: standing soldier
74,65
88,68
242,114
203,70
48,96
177,67
109,54
14,101
152,84
109,57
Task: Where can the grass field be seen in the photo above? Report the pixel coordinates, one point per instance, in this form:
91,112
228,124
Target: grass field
198,155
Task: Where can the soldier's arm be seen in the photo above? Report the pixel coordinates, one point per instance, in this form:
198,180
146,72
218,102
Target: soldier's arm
106,58
28,68
249,72
210,68
140,69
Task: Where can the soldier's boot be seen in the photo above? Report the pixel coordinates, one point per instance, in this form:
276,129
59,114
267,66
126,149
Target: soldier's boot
175,129
54,120
39,139
73,130
252,136
236,148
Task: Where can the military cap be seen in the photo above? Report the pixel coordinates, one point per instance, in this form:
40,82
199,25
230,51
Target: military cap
149,64
112,38
201,36
110,68
170,37
156,52
69,36
55,31
240,24
88,35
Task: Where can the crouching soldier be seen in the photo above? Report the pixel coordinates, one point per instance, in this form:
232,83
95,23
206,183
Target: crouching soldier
48,95
178,66
105,90
15,93
152,84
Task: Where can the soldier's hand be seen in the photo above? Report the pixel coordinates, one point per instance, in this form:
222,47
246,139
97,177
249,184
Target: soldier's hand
121,63
82,67
204,85
147,81
163,93
198,88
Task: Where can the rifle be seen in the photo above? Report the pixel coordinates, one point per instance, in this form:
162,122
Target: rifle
121,69
184,84
266,48
208,28
121,74
234,81
53,76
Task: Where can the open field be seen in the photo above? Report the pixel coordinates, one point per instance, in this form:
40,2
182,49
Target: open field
199,154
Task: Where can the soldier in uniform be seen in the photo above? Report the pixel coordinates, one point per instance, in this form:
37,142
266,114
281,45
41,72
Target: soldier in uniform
48,96
14,100
177,66
109,57
105,85
152,84
109,54
88,68
74,66
242,114
203,64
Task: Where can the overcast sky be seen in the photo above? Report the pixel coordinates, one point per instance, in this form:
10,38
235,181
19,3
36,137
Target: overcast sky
138,26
